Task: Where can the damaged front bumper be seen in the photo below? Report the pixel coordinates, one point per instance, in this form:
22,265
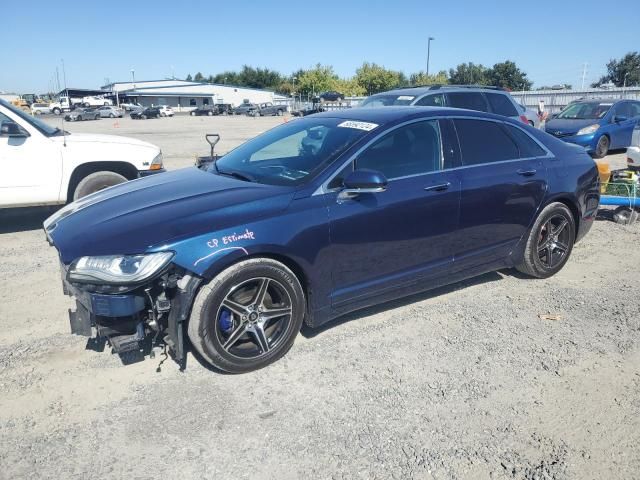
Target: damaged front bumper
157,310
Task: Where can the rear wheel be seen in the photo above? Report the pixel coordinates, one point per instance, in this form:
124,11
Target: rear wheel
111,115
550,242
602,147
57,111
95,182
210,114
79,117
193,114
248,316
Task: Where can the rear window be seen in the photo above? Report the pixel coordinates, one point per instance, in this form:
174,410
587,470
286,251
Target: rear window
482,141
526,145
501,104
435,100
468,100
387,100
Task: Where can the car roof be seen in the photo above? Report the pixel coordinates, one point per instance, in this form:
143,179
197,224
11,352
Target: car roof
383,115
417,91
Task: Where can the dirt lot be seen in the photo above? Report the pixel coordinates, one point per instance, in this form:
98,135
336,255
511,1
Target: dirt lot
462,382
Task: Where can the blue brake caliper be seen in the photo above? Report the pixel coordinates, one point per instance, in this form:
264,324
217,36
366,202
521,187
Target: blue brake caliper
225,321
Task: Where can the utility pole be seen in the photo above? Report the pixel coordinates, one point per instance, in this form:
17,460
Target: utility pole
429,52
58,79
584,73
64,74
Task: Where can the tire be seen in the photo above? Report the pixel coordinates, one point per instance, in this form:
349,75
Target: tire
602,147
95,182
86,105
79,118
143,117
193,114
279,113
532,123
625,215
97,117
106,104
57,111
555,248
245,354
111,115
210,114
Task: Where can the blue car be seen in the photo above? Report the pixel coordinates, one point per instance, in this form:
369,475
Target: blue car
596,125
316,218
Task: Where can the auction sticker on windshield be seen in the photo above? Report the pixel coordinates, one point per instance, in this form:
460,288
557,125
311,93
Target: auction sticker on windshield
366,126
405,97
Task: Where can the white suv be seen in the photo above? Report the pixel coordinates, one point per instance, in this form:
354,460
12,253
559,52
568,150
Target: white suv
166,111
43,165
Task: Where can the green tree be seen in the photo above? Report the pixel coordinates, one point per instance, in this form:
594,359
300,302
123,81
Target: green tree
227,77
468,74
317,79
189,78
628,66
508,75
259,77
350,87
198,78
375,78
421,78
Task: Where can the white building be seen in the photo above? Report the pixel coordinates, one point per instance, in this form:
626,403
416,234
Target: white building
184,96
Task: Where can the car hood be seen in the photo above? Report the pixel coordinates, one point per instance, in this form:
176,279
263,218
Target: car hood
108,139
135,216
558,126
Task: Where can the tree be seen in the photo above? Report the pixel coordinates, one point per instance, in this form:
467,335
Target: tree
508,75
198,78
227,77
468,74
350,87
421,78
375,78
628,66
321,78
189,78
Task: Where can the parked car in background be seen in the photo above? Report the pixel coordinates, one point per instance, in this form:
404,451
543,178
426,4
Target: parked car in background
223,108
166,111
93,101
388,202
144,113
331,96
128,106
531,116
244,109
269,109
110,112
633,152
205,110
40,108
596,125
472,97
43,165
79,114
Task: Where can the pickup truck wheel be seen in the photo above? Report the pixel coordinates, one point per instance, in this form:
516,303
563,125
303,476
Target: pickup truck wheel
550,242
95,182
57,111
248,316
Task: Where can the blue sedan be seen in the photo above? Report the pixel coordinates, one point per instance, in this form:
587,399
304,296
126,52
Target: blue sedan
316,218
596,125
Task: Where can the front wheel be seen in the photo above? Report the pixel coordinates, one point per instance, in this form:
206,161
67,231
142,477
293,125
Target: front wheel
550,242
248,316
95,182
57,111
602,147
193,114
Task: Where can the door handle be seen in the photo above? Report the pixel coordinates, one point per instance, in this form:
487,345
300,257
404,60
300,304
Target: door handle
438,188
527,173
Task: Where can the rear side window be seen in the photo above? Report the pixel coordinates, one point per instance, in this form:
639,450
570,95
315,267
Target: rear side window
468,100
482,141
526,145
436,100
501,104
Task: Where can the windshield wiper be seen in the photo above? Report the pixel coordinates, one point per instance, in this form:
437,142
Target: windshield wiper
232,173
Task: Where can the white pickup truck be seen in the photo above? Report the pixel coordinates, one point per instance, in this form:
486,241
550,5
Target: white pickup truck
42,165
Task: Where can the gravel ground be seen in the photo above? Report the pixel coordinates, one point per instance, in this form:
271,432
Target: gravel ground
462,382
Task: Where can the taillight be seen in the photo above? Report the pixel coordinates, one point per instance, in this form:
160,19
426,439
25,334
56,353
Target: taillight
524,120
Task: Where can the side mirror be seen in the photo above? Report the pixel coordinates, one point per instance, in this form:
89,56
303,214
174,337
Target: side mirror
363,181
11,129
619,119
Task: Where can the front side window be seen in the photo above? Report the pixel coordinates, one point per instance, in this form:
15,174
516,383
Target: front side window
468,100
436,100
483,141
501,104
291,153
409,150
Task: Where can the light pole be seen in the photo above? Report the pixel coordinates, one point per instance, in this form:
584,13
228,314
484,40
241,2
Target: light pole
133,77
429,52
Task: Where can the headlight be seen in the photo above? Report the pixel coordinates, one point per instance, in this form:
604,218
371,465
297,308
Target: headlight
589,129
118,269
157,162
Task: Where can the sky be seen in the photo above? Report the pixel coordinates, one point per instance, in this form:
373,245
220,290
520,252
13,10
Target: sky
550,41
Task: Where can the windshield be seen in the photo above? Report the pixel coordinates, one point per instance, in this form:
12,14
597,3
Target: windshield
584,111
387,100
291,153
43,127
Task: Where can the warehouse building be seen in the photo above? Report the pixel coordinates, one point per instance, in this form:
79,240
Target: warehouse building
184,96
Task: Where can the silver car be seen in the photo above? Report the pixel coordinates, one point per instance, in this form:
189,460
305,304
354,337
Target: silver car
532,117
80,114
109,111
